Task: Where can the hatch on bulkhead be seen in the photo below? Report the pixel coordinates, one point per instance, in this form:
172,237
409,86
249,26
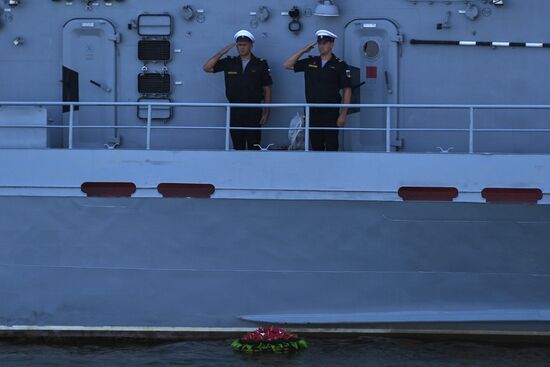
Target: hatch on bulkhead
371,48
89,75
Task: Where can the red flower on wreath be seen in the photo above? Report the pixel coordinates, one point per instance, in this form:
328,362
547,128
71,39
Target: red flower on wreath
269,334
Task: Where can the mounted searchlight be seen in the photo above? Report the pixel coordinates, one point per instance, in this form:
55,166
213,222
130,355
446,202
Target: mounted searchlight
326,8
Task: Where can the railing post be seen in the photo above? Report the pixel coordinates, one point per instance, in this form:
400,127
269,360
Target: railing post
149,117
71,123
388,129
306,145
227,125
471,132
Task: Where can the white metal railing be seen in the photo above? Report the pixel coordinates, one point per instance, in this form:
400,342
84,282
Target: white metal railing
388,129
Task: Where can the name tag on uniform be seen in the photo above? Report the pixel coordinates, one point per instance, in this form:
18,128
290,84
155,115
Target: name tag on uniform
313,66
232,73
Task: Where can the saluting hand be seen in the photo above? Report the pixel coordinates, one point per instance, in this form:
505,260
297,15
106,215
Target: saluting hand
310,47
228,47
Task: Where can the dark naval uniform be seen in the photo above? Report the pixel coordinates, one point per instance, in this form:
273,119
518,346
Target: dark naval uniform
323,85
245,86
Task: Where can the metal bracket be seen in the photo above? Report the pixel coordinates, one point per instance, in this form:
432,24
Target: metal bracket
398,144
262,148
398,39
113,143
446,24
115,38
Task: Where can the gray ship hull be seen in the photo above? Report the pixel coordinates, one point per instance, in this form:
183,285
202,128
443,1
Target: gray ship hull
184,265
448,96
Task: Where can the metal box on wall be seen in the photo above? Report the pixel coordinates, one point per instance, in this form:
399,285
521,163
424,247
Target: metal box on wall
31,135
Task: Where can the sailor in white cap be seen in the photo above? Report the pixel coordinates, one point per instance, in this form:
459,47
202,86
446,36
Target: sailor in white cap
247,80
244,35
322,34
325,76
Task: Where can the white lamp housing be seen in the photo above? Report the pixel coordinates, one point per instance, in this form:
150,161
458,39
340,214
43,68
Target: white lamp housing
327,8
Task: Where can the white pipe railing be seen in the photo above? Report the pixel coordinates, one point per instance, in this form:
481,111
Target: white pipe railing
71,125
471,132
149,125
227,125
388,129
308,128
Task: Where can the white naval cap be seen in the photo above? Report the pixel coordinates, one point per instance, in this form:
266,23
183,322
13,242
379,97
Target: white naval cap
323,33
244,33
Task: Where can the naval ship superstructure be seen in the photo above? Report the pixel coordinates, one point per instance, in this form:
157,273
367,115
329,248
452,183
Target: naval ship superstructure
125,210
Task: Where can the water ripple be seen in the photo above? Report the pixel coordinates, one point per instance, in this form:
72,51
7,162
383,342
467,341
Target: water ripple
364,351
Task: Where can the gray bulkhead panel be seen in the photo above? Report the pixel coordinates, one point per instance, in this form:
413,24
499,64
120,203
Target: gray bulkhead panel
32,70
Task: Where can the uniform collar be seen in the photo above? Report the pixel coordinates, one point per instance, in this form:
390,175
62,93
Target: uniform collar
332,60
252,58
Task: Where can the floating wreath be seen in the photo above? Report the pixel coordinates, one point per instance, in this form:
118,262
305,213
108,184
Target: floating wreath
269,340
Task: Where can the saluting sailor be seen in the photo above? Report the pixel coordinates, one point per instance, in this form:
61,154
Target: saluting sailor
325,76
247,80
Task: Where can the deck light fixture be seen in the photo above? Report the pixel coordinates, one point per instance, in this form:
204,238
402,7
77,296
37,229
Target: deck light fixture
326,8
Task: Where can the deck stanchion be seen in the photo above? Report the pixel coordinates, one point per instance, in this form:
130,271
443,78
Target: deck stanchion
388,130
306,147
71,122
149,116
471,131
227,124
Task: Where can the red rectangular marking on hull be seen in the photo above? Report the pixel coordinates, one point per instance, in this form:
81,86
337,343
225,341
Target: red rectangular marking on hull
412,193
186,190
108,189
511,195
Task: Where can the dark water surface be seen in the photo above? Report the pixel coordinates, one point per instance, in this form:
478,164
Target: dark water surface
372,352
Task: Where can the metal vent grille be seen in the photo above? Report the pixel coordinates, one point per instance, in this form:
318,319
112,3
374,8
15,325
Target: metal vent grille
156,50
154,83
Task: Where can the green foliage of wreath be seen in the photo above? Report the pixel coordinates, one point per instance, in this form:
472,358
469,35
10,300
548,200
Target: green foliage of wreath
274,347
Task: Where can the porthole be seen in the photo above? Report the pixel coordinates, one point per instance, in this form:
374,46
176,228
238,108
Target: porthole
371,49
